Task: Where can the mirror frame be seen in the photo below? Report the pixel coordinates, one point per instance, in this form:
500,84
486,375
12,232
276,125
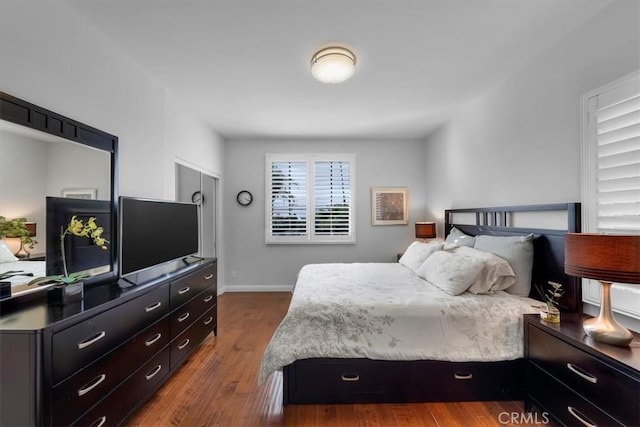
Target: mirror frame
21,112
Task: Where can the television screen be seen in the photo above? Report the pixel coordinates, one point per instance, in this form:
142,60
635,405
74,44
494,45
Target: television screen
153,232
81,254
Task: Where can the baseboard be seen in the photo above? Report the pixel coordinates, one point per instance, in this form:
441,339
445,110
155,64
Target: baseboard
255,288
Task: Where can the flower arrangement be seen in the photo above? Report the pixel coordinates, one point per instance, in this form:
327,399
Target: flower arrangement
77,228
16,228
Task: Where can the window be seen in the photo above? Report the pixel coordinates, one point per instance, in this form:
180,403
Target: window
310,198
611,174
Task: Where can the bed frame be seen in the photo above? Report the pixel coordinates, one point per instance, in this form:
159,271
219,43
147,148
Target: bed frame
323,380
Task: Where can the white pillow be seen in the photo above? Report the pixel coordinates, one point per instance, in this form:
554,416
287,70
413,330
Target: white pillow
459,238
452,272
417,252
518,251
5,253
497,274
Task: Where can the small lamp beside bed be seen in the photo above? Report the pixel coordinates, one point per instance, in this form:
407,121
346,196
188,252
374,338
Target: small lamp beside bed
605,258
425,230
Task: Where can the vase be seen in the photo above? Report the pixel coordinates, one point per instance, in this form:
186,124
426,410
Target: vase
66,294
550,314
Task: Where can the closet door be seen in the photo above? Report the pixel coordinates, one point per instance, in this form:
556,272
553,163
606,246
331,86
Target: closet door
208,236
193,186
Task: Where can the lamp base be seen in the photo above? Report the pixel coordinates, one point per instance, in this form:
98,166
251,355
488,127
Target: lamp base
605,328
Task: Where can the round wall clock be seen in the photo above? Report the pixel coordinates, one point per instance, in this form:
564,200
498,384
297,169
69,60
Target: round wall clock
244,198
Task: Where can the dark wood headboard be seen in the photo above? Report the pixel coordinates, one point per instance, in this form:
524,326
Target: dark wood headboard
548,262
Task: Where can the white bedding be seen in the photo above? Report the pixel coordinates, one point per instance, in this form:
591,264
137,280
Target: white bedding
37,268
386,312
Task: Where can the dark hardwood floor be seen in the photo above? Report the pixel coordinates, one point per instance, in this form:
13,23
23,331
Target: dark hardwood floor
217,386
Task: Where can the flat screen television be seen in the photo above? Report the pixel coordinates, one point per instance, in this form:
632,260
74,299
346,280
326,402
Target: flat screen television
154,232
81,254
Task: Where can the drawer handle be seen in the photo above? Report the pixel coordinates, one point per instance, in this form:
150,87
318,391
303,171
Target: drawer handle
184,290
153,340
350,377
100,421
208,298
153,372
209,320
581,373
184,344
183,317
580,417
462,376
153,306
86,343
92,384
208,277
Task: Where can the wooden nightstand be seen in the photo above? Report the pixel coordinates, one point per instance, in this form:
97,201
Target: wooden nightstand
577,380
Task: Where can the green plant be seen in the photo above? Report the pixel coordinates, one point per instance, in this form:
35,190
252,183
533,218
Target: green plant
16,228
77,228
552,294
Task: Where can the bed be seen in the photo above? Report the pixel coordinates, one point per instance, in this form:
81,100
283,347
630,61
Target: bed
28,270
385,352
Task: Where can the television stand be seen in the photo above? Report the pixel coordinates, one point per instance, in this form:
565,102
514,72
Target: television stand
99,361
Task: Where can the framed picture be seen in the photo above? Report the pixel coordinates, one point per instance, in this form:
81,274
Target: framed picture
80,193
389,206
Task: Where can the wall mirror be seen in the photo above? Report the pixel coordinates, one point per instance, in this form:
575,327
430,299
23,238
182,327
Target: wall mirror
48,161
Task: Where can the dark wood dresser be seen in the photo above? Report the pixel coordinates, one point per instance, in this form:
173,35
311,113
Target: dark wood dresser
577,380
93,364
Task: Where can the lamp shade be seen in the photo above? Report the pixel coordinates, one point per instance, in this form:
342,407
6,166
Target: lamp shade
614,258
425,230
333,64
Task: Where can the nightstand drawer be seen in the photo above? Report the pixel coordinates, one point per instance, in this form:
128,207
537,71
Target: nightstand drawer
80,345
614,392
566,405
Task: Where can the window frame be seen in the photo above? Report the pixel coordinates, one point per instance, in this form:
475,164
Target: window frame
625,299
310,159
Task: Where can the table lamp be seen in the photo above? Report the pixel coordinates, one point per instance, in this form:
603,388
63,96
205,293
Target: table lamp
607,258
425,230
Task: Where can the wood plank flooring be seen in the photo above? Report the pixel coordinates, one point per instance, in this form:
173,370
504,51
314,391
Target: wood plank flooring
217,386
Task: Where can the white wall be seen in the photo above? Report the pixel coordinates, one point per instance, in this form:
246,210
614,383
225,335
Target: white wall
53,58
519,143
379,163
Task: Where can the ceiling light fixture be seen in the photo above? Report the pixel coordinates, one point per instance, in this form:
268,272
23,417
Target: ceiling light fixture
333,64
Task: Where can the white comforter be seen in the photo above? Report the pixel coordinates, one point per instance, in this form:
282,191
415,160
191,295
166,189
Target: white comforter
385,311
36,268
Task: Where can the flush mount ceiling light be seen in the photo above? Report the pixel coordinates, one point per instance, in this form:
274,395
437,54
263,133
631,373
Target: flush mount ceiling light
333,64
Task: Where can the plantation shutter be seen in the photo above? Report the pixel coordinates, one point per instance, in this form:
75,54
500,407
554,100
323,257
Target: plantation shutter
611,176
288,198
616,117
310,198
332,190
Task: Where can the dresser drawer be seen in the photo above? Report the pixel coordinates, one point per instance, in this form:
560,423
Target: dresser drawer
79,392
613,391
185,315
182,290
129,395
184,343
80,345
566,405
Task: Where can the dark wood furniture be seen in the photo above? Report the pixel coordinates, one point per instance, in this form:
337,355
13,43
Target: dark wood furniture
94,363
364,380
577,380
